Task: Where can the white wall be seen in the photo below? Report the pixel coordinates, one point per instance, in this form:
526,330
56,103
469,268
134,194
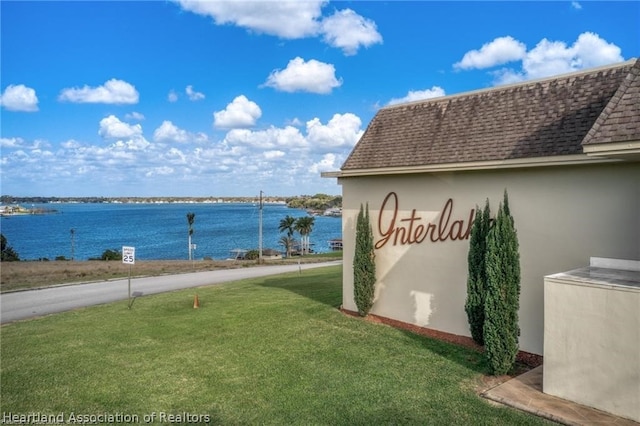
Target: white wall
563,215
592,351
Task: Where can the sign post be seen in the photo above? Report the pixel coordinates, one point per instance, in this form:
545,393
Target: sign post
129,258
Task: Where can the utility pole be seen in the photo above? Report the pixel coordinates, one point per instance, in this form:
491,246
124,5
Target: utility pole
73,231
260,231
190,219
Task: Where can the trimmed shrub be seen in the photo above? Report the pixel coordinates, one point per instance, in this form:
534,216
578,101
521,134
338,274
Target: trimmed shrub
477,278
109,254
252,255
7,253
364,266
502,298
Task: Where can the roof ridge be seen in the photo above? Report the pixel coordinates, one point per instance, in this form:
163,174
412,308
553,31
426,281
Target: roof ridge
579,73
634,72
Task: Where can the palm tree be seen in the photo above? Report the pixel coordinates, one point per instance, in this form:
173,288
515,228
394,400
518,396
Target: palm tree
287,242
304,225
287,224
191,217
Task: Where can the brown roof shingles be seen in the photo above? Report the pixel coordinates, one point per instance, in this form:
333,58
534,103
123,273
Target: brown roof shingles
534,119
620,120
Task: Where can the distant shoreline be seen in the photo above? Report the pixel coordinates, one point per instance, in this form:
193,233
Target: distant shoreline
314,204
16,210
138,200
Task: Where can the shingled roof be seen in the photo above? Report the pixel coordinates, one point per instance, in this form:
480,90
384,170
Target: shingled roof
551,117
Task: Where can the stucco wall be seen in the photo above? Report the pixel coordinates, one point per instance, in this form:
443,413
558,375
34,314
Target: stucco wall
591,353
563,216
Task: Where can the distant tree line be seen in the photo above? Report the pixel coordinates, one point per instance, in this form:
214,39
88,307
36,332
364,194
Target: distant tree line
315,202
9,199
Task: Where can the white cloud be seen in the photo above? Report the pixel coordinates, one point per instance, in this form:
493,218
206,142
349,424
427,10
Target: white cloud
11,142
20,143
160,171
418,95
287,157
576,5
175,156
295,122
112,92
172,96
285,19
136,143
112,128
551,58
169,132
53,169
268,139
193,95
342,131
134,116
592,51
347,30
507,76
274,154
241,112
19,98
70,144
300,76
500,51
546,59
327,163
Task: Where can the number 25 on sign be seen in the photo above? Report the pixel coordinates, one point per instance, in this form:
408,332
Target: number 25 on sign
129,255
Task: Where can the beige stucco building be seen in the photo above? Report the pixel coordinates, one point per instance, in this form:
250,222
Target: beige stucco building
567,150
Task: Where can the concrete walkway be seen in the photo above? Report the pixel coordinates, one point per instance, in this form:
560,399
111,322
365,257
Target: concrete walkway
21,305
525,393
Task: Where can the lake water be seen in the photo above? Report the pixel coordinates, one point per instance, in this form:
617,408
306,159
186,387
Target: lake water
157,231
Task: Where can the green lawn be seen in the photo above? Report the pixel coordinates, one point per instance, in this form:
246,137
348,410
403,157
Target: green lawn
266,351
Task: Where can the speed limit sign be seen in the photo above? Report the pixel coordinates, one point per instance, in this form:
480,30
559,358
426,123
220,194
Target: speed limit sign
128,255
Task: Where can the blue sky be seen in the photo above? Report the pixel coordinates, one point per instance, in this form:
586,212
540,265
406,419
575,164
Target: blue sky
228,98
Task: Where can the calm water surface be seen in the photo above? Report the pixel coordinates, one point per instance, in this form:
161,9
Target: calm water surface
157,231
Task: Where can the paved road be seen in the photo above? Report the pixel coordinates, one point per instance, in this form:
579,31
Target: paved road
32,303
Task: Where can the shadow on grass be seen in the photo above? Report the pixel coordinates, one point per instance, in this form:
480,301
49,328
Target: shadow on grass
322,285
459,354
325,286
468,357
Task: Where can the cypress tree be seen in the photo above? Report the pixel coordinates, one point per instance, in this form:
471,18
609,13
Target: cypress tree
502,298
477,278
364,267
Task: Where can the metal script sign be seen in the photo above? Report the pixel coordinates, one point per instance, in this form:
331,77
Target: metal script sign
412,229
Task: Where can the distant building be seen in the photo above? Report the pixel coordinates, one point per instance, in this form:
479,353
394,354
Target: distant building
335,244
271,254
